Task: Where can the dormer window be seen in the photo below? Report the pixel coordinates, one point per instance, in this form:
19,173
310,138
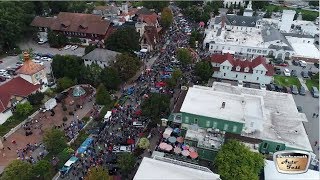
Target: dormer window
238,68
243,22
246,69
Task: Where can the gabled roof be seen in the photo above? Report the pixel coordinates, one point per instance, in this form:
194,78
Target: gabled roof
150,19
103,55
151,34
144,11
235,20
220,58
15,87
42,21
74,22
29,67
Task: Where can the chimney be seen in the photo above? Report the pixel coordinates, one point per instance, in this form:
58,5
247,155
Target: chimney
26,56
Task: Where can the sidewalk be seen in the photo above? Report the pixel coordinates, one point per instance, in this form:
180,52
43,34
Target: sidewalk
302,82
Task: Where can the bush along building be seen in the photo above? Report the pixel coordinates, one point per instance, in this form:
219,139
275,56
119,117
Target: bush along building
263,120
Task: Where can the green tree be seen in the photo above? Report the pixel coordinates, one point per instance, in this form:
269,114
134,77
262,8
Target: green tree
184,56
36,98
97,173
268,14
54,140
110,78
17,170
313,3
156,107
68,66
92,74
89,48
103,96
176,74
23,109
144,143
64,83
126,163
42,169
166,17
127,66
77,6
57,40
195,36
123,40
239,5
235,161
230,10
216,10
241,11
203,69
309,16
156,5
58,6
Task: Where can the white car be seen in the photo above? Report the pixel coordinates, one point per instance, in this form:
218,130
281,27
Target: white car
38,62
46,59
240,83
74,47
37,57
286,72
67,47
7,76
302,63
3,71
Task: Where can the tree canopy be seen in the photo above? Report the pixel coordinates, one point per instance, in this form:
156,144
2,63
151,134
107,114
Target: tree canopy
203,69
57,40
67,66
17,169
166,17
156,107
36,98
126,65
42,169
54,140
126,162
103,96
123,40
97,173
156,5
144,143
235,161
184,56
64,83
110,78
23,109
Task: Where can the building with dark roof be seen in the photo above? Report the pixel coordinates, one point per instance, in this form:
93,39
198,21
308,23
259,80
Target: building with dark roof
255,70
102,57
87,27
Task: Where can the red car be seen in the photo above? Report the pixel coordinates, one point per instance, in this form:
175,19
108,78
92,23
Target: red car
283,64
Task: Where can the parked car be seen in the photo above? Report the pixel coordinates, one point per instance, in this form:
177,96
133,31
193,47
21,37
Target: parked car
304,74
1,62
46,59
247,85
277,70
310,73
74,47
263,86
67,47
286,72
278,88
294,89
294,73
2,79
7,76
302,91
38,62
315,92
302,63
316,65
286,89
271,87
295,63
19,63
240,83
299,108
3,71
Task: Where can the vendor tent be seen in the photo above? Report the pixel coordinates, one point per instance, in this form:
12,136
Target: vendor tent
78,91
84,146
167,132
50,104
144,50
107,116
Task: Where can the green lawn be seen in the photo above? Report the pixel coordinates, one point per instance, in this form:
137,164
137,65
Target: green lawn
286,81
311,82
306,14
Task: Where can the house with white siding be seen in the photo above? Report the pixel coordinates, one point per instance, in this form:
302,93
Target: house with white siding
225,66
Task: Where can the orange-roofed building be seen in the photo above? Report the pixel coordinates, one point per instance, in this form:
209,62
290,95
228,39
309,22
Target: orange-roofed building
32,72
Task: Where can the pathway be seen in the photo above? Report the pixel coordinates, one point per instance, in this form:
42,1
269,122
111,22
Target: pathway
302,82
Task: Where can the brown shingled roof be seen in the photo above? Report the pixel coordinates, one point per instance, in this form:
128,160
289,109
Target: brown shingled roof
29,67
42,21
151,34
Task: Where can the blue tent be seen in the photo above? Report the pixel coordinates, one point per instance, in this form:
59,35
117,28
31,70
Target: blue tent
84,146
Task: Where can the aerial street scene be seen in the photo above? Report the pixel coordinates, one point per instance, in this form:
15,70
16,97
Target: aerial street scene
148,90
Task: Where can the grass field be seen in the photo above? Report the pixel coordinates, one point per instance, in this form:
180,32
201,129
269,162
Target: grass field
311,82
286,81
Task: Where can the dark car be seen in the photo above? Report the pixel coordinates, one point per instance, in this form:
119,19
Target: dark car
286,89
294,89
299,108
310,73
2,79
294,73
304,74
277,70
302,91
295,63
271,87
316,65
278,88
247,85
315,92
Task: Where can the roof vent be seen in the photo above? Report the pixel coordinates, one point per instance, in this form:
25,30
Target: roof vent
223,105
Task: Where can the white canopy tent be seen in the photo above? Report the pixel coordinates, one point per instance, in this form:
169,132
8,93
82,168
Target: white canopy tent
144,50
50,104
167,132
107,116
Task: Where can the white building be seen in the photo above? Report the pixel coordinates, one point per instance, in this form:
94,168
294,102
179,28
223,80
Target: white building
101,57
228,3
165,168
254,71
286,20
248,11
246,37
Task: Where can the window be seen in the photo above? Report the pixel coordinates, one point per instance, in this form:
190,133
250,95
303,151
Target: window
186,119
228,48
257,71
257,78
234,129
278,147
225,127
261,72
249,50
254,50
245,77
222,47
215,124
224,74
211,47
259,51
208,124
236,75
264,52
308,41
195,121
265,146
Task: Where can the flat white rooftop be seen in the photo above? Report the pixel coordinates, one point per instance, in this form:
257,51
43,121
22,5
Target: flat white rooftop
158,169
282,122
307,50
271,173
206,102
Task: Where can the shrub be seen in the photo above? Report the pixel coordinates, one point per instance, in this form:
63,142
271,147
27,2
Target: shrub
71,113
64,108
65,119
